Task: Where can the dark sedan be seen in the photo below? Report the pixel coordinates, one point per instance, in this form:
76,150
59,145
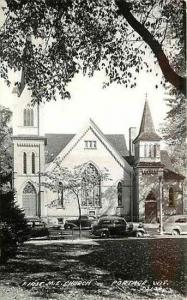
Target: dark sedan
116,226
84,221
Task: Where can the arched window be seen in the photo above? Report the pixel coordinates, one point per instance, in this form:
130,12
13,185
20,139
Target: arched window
31,117
150,150
171,197
28,117
25,117
119,191
24,163
145,150
155,150
33,163
91,187
29,199
60,194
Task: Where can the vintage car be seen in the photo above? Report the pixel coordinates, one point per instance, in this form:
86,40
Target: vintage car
175,225
116,226
37,228
84,221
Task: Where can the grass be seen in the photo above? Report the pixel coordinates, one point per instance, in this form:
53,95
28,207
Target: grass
107,269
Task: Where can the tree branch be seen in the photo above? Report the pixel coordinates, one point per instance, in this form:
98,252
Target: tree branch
170,75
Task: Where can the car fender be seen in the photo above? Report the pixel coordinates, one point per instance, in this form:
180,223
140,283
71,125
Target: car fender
176,228
139,229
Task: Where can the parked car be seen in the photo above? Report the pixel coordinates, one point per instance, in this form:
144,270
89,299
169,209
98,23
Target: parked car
85,221
8,243
37,228
116,226
55,231
175,225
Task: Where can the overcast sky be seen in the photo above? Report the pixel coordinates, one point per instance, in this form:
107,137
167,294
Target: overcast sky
113,109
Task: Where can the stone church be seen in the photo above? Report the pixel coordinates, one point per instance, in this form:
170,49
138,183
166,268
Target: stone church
142,179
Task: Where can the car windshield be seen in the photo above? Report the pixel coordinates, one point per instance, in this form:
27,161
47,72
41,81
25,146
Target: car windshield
170,220
105,222
181,220
119,222
176,219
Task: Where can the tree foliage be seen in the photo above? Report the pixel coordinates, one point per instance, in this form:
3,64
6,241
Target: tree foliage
10,213
5,146
76,182
174,127
55,39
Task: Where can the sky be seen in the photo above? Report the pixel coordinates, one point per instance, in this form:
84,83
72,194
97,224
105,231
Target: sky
114,109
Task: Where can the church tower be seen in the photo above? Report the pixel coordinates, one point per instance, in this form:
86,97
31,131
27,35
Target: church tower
148,169
28,152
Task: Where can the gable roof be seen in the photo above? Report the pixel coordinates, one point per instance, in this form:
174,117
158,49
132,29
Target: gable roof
169,171
57,142
147,130
165,159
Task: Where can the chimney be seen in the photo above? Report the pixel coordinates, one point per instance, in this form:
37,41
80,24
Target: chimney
132,136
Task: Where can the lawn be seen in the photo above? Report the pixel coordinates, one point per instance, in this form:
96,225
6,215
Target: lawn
98,269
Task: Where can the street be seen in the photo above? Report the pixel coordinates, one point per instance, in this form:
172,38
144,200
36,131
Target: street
121,268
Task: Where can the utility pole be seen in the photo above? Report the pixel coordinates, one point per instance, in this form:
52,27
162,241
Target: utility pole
161,203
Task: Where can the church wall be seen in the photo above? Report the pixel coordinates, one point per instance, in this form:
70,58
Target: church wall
100,158
140,151
21,103
20,179
147,181
178,207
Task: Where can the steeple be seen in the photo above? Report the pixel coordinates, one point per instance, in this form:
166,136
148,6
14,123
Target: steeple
147,130
18,89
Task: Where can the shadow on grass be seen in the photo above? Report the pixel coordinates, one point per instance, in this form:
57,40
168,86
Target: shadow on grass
55,268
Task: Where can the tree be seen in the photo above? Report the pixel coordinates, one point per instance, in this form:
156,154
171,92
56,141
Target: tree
5,147
55,39
10,213
174,127
79,182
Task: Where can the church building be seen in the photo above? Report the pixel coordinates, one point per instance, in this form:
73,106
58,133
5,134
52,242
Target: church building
142,179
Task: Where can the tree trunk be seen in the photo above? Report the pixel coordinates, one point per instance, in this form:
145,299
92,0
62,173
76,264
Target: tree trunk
170,75
80,229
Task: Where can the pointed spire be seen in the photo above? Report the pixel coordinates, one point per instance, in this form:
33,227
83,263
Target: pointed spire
147,129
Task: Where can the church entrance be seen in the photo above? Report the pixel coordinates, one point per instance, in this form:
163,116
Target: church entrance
29,200
150,208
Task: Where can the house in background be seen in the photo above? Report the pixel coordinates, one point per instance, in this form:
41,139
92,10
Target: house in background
139,177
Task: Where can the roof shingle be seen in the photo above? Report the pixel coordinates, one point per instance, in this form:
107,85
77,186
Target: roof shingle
147,131
57,142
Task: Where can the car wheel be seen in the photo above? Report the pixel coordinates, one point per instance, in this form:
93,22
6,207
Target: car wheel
105,234
139,234
175,232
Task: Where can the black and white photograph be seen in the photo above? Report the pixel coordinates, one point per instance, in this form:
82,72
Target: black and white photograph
93,177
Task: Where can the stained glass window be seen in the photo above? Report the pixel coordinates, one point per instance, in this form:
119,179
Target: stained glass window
171,197
119,191
91,187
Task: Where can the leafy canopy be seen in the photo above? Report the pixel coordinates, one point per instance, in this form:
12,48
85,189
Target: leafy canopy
55,39
5,145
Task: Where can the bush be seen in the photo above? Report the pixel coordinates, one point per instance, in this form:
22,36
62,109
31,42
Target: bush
8,243
13,216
